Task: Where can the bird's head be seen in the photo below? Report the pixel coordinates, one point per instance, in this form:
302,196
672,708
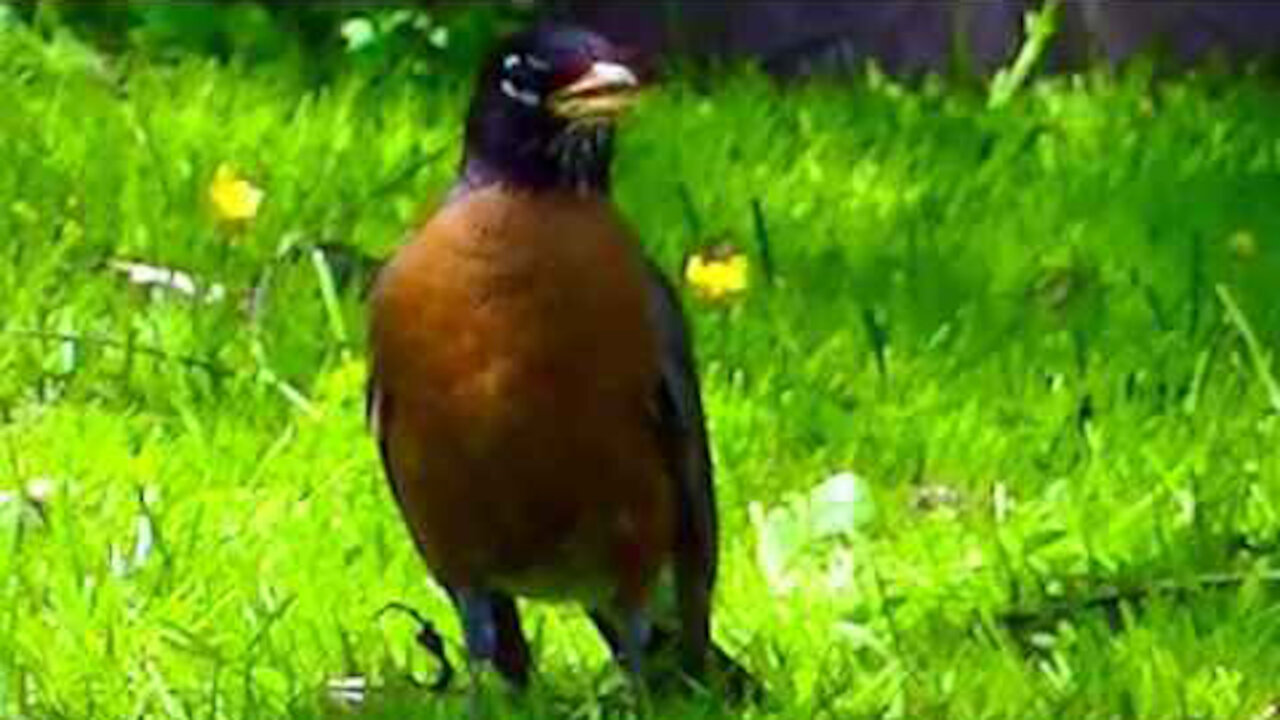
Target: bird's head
543,112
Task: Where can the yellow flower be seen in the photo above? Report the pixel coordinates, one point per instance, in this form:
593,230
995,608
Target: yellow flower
717,274
1244,245
234,198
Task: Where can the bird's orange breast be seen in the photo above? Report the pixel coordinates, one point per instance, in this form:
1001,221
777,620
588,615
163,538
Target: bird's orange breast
516,366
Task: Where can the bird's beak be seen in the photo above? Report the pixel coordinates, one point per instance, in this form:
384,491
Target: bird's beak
602,93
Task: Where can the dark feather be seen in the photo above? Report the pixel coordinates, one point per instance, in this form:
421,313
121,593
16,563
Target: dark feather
684,438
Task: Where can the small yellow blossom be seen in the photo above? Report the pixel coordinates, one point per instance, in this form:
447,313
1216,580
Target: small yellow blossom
717,274
1244,245
234,198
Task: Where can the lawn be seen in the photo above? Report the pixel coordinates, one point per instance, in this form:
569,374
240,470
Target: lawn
995,420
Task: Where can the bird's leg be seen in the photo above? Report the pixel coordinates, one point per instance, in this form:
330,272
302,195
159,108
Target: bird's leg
636,632
480,628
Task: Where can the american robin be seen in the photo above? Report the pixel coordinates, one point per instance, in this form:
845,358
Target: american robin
533,390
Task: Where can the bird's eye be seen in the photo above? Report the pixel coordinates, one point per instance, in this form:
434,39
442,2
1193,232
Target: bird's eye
522,77
517,61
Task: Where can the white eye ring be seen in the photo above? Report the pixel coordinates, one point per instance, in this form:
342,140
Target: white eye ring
524,97
515,60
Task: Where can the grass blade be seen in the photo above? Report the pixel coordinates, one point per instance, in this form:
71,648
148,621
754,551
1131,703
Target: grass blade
1258,354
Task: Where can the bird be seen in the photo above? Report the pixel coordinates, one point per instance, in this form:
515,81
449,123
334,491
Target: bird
533,390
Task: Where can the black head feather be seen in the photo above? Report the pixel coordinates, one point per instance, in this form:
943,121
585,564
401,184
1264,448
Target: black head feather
532,122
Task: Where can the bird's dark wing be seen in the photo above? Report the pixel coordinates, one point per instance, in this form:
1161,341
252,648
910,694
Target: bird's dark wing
683,429
684,441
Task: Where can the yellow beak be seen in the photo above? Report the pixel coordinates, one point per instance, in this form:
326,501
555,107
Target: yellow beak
602,93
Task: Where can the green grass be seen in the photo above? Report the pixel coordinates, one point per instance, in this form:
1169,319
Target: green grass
1008,321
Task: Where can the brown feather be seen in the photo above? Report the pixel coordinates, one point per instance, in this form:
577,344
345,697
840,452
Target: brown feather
513,341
